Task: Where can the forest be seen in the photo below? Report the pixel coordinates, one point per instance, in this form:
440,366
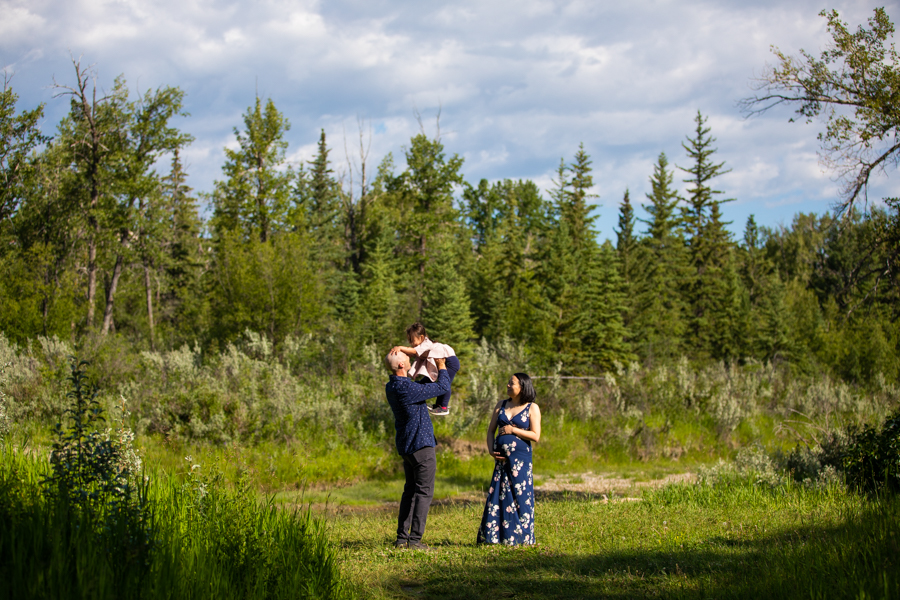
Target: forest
101,238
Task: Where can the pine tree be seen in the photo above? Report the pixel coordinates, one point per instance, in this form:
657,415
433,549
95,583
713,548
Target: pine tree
600,325
446,313
628,250
254,198
425,204
711,289
659,323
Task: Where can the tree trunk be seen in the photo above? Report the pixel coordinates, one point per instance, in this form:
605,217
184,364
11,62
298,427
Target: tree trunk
149,292
92,281
110,296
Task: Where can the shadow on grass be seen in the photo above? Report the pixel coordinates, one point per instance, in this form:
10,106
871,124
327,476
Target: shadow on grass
860,558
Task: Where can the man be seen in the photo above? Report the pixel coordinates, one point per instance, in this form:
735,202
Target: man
415,443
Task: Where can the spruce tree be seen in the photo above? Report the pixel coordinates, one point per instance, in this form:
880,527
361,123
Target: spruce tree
379,302
575,207
424,193
254,198
600,326
446,312
702,170
628,250
659,324
715,302
711,288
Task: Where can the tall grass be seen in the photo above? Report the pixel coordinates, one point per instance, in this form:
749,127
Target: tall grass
204,540
80,523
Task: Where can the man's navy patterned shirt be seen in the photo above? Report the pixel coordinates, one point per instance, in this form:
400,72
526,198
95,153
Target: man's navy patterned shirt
411,419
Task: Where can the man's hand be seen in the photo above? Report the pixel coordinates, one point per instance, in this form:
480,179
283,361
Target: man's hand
441,363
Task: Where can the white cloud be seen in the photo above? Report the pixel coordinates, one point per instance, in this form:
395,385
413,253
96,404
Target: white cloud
17,25
519,84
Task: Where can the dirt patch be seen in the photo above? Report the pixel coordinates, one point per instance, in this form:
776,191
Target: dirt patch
463,449
605,484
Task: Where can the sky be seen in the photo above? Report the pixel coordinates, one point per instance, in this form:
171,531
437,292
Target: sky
515,86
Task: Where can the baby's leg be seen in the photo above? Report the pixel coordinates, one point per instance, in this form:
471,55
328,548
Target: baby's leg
452,364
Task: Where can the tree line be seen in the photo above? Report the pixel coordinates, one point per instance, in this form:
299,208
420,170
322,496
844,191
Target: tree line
100,235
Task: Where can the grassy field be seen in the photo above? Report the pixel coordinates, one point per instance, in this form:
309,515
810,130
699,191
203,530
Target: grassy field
682,541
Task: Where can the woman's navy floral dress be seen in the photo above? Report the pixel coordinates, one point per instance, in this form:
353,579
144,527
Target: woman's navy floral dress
509,511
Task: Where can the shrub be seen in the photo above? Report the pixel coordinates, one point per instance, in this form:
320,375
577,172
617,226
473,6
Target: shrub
872,458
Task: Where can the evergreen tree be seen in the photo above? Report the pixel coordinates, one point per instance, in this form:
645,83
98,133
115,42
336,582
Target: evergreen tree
379,301
254,198
182,260
626,242
659,324
446,312
715,302
628,250
600,325
711,289
425,196
574,201
702,170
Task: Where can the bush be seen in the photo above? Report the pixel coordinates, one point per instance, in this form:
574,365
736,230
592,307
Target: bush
872,458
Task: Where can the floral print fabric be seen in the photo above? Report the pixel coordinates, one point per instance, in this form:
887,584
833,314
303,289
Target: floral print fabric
509,510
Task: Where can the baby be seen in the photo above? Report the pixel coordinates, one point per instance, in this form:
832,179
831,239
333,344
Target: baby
422,355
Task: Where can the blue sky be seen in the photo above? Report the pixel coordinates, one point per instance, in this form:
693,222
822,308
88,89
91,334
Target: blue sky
518,84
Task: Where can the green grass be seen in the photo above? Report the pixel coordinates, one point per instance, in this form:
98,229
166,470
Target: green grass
680,542
195,540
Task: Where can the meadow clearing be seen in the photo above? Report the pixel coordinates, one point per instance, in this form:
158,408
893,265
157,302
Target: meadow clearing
720,482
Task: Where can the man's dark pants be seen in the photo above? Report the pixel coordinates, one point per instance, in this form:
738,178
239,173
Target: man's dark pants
419,467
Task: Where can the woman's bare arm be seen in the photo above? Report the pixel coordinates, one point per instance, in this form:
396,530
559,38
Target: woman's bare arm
492,427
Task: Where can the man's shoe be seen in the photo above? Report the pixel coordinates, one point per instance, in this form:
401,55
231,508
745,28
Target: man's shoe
419,546
439,411
400,544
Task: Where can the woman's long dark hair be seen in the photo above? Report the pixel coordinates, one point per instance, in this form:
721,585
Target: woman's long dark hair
526,388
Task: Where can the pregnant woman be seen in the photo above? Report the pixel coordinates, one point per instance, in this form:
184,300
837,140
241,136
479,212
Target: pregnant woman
509,511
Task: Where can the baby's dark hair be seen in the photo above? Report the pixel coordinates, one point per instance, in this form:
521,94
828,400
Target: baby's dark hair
416,329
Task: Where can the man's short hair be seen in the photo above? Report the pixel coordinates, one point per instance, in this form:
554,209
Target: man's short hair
394,361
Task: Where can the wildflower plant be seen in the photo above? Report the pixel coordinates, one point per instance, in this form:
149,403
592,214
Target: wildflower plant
91,476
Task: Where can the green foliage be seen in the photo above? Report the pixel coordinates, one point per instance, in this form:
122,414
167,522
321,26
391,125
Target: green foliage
859,72
206,539
660,320
872,457
254,199
92,527
19,136
446,312
265,286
